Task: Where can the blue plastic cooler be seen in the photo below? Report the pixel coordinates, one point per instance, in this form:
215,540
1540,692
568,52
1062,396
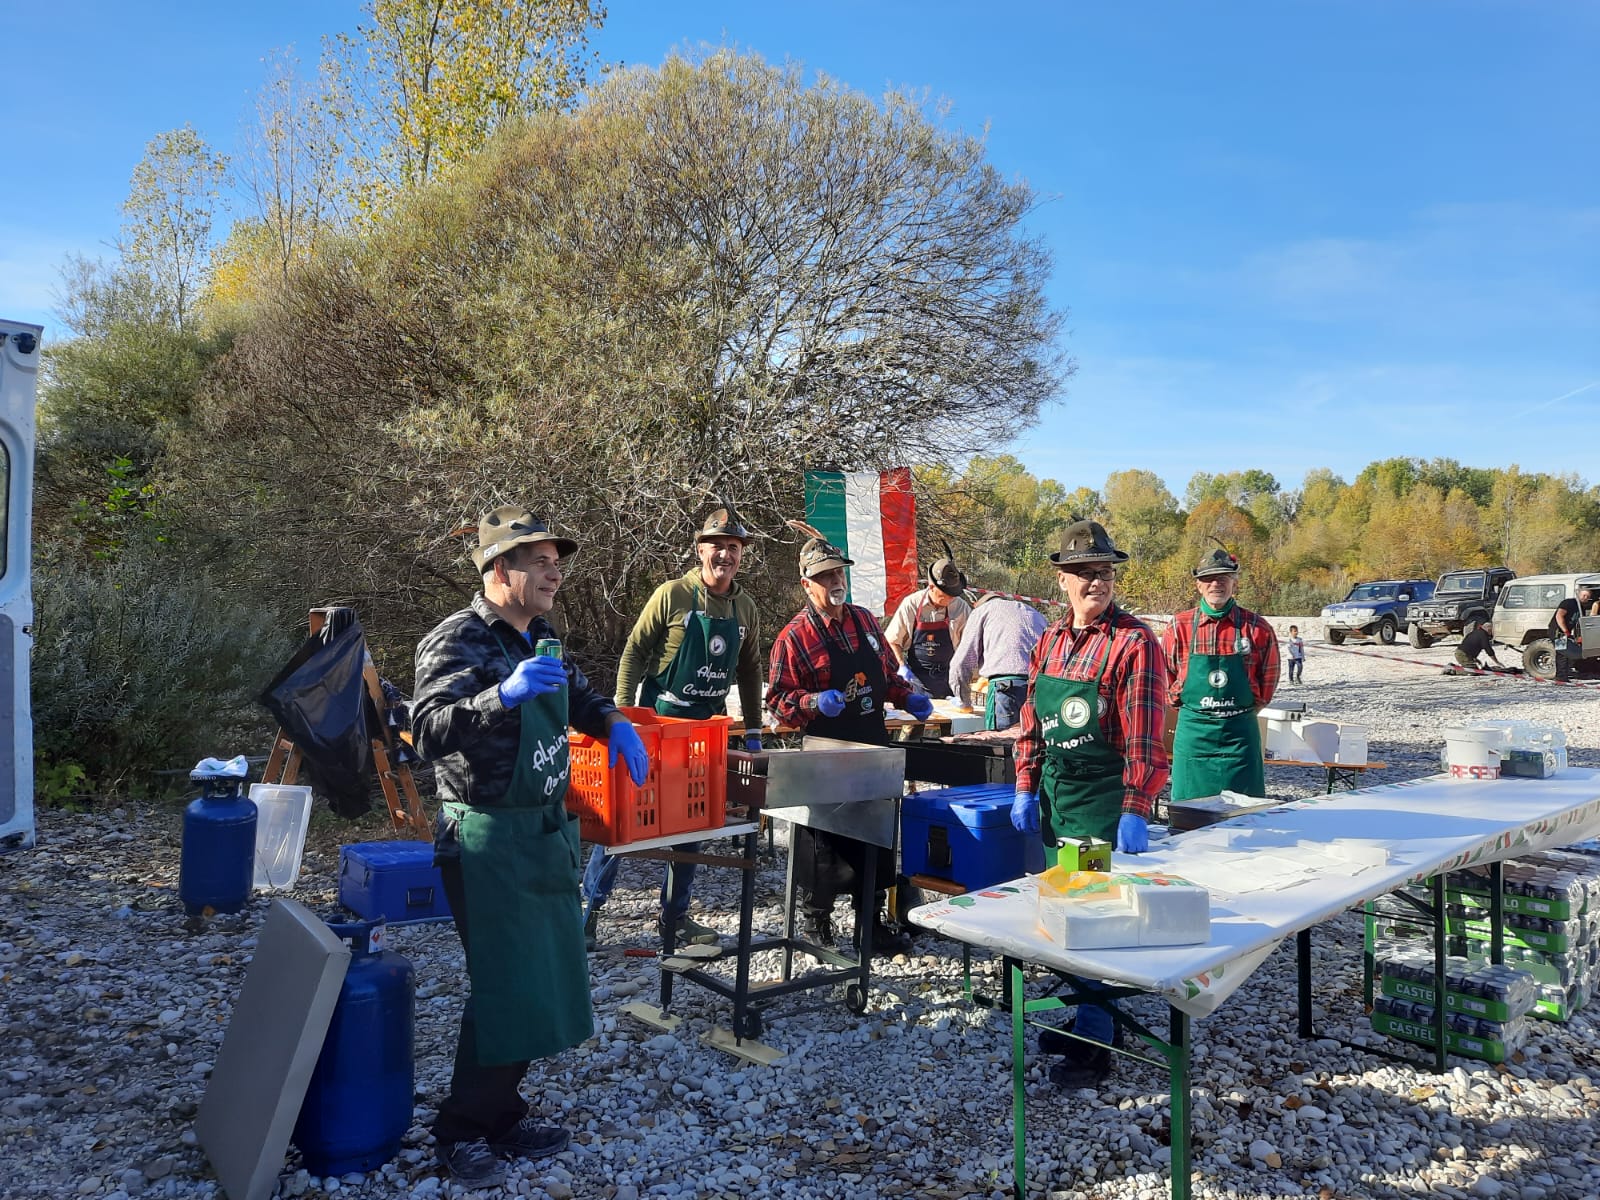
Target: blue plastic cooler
964,834
394,881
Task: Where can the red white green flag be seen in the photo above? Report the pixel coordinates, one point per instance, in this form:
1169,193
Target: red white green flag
872,517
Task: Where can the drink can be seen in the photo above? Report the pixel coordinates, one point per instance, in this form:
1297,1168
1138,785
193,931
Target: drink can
547,648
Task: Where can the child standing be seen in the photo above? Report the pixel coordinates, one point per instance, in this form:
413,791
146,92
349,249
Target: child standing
1297,654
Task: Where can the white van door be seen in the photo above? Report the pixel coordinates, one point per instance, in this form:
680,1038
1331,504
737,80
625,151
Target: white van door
19,374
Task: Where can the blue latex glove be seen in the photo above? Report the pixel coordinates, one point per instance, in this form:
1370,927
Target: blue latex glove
1025,812
830,703
752,741
623,739
1133,835
905,672
533,677
919,706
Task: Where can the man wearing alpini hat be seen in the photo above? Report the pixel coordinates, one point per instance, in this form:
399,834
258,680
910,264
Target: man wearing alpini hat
491,714
832,675
927,626
1090,757
696,635
1222,665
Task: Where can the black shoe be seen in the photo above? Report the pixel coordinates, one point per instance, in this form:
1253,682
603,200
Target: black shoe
816,928
887,940
591,929
472,1163
1087,1068
530,1139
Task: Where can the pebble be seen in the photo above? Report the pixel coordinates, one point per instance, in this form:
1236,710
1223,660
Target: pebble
913,1100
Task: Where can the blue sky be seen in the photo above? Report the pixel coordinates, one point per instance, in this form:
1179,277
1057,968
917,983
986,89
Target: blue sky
1289,235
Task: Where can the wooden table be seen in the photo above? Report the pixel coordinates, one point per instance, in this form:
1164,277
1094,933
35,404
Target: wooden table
1347,775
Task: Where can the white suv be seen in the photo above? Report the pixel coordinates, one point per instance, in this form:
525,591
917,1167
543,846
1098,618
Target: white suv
1524,616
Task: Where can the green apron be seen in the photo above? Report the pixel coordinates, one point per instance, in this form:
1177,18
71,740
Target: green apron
1217,745
519,865
695,683
1080,787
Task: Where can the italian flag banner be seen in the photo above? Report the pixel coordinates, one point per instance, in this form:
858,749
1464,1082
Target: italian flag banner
873,519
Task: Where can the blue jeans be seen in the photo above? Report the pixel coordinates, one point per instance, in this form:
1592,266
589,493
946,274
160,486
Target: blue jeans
600,876
1092,1021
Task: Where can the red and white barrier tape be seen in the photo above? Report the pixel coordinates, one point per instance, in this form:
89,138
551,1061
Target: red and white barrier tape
1417,662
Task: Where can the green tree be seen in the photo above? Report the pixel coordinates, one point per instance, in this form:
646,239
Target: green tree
425,83
167,218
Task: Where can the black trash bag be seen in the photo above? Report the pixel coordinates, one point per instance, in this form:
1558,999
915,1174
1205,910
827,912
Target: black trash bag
320,700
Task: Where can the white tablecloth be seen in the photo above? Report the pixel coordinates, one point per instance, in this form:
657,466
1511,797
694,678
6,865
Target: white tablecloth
1277,871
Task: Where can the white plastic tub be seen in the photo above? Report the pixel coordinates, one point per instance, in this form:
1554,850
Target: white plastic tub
1473,752
282,814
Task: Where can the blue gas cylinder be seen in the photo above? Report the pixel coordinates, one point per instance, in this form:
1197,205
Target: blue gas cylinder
358,1104
218,863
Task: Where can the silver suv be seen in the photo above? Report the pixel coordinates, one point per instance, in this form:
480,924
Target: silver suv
1525,612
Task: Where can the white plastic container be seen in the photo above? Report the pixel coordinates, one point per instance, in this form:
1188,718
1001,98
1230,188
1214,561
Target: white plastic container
1473,752
1352,749
282,813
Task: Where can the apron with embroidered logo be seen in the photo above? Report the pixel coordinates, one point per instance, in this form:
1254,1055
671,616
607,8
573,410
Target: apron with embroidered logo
1217,745
695,683
519,864
1080,785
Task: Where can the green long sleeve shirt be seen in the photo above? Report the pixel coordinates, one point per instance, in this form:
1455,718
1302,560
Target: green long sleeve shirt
658,633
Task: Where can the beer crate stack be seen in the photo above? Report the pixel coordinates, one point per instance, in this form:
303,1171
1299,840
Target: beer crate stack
1550,931
1486,1005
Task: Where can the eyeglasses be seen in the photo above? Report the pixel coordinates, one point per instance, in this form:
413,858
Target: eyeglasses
1090,574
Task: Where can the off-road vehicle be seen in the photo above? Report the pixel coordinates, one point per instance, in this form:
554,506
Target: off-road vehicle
1459,599
1375,610
1524,619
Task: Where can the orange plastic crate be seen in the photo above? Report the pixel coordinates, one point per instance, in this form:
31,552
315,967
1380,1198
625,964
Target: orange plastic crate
685,792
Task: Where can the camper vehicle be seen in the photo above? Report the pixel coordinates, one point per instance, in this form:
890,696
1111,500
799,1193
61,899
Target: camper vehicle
19,372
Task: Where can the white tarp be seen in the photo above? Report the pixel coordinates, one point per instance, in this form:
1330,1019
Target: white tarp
1321,856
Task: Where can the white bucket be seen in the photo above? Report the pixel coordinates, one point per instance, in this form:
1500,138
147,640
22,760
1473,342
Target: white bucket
1474,752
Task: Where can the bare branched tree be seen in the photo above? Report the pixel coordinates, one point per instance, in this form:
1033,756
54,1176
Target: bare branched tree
709,279
289,167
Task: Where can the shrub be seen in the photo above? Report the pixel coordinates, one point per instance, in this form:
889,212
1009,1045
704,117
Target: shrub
145,663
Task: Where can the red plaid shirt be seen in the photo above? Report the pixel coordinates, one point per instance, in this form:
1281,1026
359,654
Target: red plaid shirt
801,666
1220,635
1133,699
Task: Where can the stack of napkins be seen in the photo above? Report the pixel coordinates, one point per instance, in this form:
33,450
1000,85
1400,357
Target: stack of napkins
1098,910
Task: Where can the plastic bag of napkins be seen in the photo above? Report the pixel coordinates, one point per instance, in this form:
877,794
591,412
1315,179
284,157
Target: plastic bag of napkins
1097,910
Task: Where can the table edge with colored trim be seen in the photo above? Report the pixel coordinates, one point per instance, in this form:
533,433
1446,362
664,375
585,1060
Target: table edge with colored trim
1537,827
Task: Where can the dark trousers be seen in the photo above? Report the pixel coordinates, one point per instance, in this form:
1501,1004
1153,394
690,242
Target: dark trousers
1297,667
483,1101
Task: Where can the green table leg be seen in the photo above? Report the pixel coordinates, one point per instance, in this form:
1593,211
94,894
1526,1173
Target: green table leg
1019,1093
1177,1053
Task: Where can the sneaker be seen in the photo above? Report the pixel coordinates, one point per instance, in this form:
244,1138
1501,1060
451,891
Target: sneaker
1083,1068
690,932
472,1163
530,1139
591,929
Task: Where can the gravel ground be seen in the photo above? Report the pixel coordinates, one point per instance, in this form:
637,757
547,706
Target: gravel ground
113,1013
